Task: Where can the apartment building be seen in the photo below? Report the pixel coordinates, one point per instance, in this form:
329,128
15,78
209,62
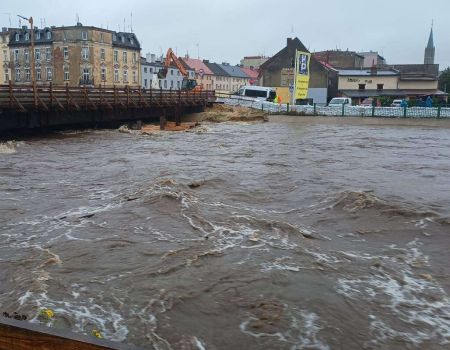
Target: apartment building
5,72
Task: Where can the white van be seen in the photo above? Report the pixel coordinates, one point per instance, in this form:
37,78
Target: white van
339,101
257,92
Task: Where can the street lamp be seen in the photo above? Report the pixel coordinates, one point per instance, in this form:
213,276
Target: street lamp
33,77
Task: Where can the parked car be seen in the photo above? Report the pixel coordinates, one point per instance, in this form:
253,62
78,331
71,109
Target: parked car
339,101
396,103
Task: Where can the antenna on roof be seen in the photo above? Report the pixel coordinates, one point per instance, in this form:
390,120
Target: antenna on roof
45,23
131,19
124,25
77,18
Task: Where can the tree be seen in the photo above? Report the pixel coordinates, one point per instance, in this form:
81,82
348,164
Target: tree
444,80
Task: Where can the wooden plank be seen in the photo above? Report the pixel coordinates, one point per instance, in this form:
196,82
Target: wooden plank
22,335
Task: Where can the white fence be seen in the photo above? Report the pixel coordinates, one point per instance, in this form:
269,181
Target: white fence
346,111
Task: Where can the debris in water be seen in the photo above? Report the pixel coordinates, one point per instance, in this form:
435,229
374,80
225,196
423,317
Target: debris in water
45,315
15,315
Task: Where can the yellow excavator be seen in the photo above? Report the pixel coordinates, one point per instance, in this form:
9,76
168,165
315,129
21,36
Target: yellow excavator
186,84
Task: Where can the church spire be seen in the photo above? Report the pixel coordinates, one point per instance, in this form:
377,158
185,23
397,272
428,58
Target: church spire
430,49
430,39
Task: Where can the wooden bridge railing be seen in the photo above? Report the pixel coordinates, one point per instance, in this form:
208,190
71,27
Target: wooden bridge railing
52,97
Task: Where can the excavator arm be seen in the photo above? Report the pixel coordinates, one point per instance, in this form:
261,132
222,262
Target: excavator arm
187,84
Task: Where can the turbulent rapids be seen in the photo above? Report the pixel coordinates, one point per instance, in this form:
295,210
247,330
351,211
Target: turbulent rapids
280,235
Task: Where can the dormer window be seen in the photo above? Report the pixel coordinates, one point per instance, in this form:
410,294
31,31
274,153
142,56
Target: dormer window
27,36
38,35
17,37
49,35
123,39
114,37
132,41
84,35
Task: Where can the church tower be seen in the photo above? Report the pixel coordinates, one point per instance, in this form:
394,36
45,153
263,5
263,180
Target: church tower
430,49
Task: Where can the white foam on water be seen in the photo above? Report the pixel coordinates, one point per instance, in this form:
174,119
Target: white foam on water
415,301
302,333
199,344
280,264
8,147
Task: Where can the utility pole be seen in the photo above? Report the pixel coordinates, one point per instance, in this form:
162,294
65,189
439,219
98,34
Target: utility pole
33,63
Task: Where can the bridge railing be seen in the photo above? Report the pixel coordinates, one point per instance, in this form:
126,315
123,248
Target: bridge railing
23,98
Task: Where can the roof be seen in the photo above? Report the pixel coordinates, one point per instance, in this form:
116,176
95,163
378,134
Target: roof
251,73
197,65
233,71
216,69
392,93
22,32
366,72
126,40
328,66
292,45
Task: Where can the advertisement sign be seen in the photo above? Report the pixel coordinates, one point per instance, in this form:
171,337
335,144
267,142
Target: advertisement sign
302,60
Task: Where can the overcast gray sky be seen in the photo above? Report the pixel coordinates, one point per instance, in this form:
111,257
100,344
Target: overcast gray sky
228,30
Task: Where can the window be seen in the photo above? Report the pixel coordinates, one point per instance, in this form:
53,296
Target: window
17,37
131,41
145,69
49,74
103,74
38,74
66,73
5,55
48,54
171,72
125,57
37,54
102,54
26,54
116,75
102,38
83,35
165,84
151,70
134,58
17,74
66,53
49,35
16,55
6,75
160,83
361,86
380,86
134,77
145,82
178,85
114,37
38,35
116,57
171,84
27,74
85,53
125,76
27,36
178,73
86,74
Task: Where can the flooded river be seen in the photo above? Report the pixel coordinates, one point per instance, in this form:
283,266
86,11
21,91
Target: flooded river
282,235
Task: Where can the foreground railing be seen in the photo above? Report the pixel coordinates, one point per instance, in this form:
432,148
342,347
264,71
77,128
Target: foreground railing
23,98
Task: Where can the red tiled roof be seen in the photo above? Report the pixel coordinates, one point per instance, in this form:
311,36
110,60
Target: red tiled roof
252,73
197,65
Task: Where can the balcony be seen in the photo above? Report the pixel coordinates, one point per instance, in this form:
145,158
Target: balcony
86,82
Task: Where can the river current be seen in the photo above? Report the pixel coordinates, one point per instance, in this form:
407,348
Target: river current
280,235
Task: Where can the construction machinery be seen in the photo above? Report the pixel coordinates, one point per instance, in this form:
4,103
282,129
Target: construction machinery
172,59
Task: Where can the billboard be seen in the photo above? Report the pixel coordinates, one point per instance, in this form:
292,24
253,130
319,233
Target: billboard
302,60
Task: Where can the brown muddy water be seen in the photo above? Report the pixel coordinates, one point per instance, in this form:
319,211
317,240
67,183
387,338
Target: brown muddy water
282,235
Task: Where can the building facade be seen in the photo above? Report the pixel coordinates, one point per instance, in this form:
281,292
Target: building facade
340,59
204,76
278,72
77,56
20,55
372,58
5,72
149,72
253,62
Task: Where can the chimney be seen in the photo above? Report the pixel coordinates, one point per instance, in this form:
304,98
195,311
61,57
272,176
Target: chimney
289,41
373,69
